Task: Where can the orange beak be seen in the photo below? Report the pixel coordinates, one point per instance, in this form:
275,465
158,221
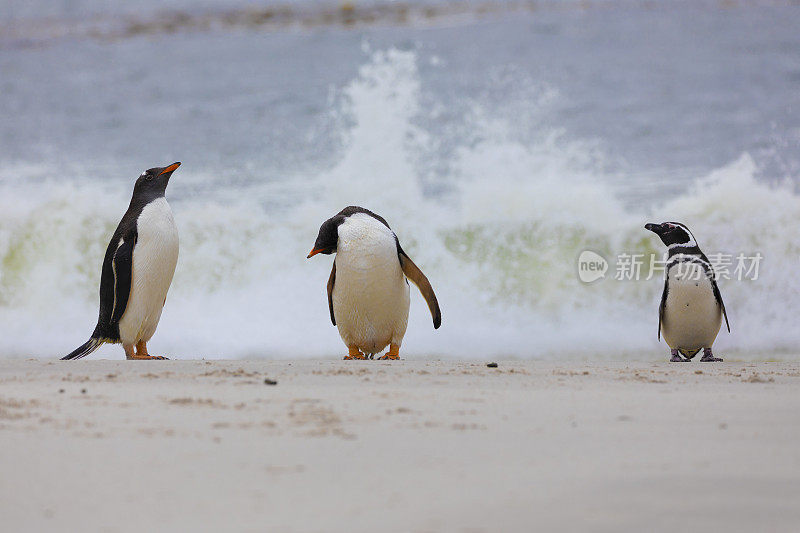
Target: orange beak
170,168
313,253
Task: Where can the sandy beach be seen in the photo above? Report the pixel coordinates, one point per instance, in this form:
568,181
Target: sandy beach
399,446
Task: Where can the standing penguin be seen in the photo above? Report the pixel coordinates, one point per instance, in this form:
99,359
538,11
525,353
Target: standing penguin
368,293
137,270
691,309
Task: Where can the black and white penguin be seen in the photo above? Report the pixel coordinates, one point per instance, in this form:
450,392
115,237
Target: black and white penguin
691,310
137,270
368,293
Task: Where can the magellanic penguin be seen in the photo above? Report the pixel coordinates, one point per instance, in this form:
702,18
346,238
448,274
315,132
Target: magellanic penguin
691,310
368,293
137,270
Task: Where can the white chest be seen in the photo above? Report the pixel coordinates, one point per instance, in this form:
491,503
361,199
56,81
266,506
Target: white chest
156,226
366,248
155,257
370,296
692,316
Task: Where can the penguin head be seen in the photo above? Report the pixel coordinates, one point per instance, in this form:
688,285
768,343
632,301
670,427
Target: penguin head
328,236
153,183
673,233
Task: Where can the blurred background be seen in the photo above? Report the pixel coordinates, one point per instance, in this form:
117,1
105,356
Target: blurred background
499,139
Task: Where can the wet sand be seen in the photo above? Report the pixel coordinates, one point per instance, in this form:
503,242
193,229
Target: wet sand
399,446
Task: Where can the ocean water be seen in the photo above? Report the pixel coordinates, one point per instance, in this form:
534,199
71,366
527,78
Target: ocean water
498,143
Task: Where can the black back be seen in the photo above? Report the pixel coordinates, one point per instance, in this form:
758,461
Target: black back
116,277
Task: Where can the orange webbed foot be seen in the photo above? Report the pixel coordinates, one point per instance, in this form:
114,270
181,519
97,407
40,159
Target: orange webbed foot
141,353
393,354
354,353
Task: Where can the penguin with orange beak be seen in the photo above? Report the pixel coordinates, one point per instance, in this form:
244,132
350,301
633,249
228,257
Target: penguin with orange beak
368,291
137,270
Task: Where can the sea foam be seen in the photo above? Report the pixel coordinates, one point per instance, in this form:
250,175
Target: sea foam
497,225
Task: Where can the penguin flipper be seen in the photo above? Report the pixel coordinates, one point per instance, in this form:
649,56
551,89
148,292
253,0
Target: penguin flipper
123,275
84,349
413,273
725,314
331,281
718,297
663,306
115,283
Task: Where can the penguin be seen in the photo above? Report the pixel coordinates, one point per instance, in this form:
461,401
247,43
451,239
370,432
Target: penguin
691,310
137,270
368,291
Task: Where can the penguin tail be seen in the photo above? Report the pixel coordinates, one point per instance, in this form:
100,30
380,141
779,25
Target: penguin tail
84,349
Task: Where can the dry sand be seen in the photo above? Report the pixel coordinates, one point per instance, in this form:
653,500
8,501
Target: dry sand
399,446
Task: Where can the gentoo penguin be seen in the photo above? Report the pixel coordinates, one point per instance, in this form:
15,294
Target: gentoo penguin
368,293
691,310
137,270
